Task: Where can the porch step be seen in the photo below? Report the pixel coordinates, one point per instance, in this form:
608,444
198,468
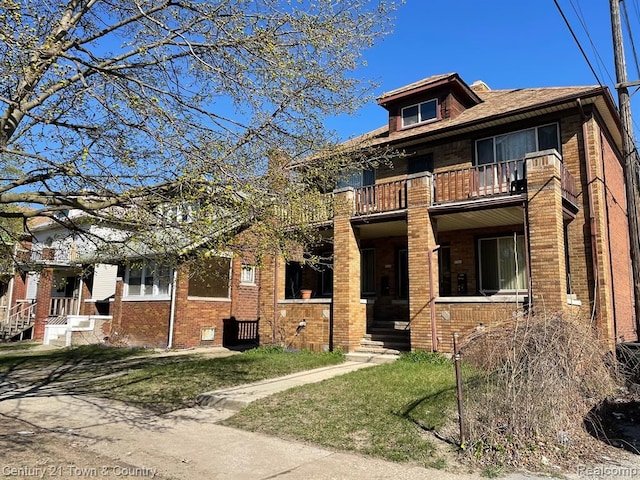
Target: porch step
385,341
390,324
368,357
58,342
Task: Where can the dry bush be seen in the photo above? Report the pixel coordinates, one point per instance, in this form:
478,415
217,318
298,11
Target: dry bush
539,378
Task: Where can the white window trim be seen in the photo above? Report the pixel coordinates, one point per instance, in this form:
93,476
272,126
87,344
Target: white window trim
420,121
248,268
557,124
155,296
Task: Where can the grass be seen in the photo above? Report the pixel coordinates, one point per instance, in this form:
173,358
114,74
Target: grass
13,346
385,411
159,384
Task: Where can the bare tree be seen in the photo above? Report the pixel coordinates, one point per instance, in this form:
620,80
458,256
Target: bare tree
130,110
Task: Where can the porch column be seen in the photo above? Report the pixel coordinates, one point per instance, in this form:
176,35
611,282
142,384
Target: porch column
546,232
43,299
349,315
421,240
272,290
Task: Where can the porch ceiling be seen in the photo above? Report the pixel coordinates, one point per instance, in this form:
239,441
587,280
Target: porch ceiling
383,229
480,218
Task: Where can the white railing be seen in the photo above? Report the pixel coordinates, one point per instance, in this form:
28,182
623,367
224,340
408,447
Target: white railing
20,318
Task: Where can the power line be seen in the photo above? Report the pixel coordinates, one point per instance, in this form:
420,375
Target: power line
580,16
575,38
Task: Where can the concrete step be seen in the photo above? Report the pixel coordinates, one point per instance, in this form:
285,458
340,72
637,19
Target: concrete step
58,342
369,357
377,350
388,344
390,324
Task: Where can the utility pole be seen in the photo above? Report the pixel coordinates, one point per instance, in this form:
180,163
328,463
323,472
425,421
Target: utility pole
628,151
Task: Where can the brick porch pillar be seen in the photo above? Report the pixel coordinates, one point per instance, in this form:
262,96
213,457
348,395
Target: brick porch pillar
349,314
272,290
421,241
546,232
43,299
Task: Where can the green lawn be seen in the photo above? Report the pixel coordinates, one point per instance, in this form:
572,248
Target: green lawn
385,411
160,384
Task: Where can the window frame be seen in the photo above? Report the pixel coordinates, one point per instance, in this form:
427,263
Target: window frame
251,280
368,265
229,283
159,271
522,268
537,138
420,120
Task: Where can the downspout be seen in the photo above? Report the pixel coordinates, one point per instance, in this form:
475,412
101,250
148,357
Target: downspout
527,259
432,305
592,220
172,314
275,298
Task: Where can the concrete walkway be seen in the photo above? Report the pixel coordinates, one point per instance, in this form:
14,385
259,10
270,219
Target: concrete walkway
235,398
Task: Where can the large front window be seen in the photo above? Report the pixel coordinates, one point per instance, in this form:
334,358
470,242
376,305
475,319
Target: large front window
502,264
148,280
515,145
210,278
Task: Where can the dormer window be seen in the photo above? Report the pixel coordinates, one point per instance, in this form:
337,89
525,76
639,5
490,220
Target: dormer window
419,113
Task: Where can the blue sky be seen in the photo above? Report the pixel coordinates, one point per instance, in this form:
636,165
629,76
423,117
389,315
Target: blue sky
505,43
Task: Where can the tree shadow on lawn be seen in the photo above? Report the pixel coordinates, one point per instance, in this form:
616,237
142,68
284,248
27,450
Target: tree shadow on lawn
65,380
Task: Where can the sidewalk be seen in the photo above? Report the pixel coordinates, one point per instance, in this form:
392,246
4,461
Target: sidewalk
191,443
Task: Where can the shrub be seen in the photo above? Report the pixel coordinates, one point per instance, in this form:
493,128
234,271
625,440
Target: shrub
541,375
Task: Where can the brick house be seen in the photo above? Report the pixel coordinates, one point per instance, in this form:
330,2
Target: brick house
64,295
504,201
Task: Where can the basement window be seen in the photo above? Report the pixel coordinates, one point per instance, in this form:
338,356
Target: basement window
419,113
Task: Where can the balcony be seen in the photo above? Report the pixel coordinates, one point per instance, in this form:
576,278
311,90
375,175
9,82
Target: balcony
382,197
491,180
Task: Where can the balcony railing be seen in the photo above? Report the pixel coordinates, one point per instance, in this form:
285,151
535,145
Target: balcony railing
480,181
382,197
315,210
568,185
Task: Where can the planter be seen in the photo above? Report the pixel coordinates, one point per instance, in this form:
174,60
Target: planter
306,294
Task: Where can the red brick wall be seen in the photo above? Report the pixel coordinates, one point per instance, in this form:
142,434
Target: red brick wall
44,300
193,315
144,323
19,288
619,245
245,298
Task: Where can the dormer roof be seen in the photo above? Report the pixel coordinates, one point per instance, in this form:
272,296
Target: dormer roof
423,88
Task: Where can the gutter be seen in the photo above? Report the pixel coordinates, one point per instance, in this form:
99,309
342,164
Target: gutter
172,315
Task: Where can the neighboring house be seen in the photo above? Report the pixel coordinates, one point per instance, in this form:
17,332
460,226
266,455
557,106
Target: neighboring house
63,293
59,292
505,201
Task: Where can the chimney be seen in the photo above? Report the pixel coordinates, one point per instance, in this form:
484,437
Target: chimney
479,86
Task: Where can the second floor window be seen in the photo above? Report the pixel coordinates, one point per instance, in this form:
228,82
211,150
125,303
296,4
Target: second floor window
357,179
419,113
515,145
